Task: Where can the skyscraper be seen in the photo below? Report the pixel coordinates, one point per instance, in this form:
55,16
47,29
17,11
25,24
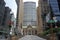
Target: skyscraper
29,17
55,7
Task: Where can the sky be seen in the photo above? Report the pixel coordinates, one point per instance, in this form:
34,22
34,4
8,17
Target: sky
12,4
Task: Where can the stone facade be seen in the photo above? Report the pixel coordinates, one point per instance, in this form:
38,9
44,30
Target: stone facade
29,30
19,14
42,11
39,21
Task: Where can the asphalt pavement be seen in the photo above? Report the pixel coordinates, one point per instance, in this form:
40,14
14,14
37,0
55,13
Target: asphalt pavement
31,37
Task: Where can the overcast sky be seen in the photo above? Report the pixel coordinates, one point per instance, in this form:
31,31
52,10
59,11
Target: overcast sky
13,6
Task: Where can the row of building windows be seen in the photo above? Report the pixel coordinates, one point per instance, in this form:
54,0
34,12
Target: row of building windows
54,5
55,8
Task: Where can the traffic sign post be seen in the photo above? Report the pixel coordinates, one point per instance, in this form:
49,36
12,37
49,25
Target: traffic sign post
52,37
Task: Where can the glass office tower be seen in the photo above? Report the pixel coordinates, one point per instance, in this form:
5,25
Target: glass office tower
55,5
29,14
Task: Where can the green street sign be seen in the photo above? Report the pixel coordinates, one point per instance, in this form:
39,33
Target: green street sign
51,21
3,31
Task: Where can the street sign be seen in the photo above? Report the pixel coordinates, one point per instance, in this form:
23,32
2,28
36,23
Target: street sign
51,21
